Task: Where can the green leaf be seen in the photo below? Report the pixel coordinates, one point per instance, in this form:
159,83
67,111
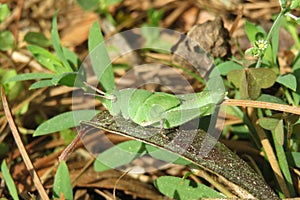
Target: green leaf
9,181
270,98
275,42
29,76
288,80
56,45
41,84
250,81
88,5
253,30
44,57
64,121
70,79
12,89
119,155
264,77
4,12
278,137
176,188
226,67
294,159
6,40
295,4
62,183
164,155
100,59
38,39
268,123
279,133
72,58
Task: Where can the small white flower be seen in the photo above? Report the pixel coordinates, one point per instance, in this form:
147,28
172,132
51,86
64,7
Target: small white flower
261,45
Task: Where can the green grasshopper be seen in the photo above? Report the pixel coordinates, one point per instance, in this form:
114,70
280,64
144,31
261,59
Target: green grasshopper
160,109
148,108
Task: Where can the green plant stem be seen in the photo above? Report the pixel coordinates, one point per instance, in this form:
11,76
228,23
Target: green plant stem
277,20
288,97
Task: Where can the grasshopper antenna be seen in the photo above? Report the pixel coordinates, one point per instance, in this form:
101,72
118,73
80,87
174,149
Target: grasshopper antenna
100,92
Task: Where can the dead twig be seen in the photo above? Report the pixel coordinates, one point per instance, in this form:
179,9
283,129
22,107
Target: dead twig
22,149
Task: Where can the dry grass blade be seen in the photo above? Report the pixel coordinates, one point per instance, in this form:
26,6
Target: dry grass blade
22,149
269,152
261,104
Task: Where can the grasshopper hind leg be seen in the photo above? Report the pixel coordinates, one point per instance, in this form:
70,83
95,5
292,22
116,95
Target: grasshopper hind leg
162,131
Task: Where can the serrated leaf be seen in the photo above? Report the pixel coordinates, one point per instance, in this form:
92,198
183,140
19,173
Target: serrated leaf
29,76
64,121
44,57
119,155
37,38
9,181
176,188
62,183
288,80
7,40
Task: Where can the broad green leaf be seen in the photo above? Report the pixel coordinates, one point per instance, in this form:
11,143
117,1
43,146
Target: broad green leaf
252,31
236,76
270,98
119,155
167,156
4,12
288,80
30,76
44,57
9,181
12,89
41,84
268,123
37,38
226,67
265,77
250,81
176,188
6,40
64,121
88,5
62,183
57,47
100,59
